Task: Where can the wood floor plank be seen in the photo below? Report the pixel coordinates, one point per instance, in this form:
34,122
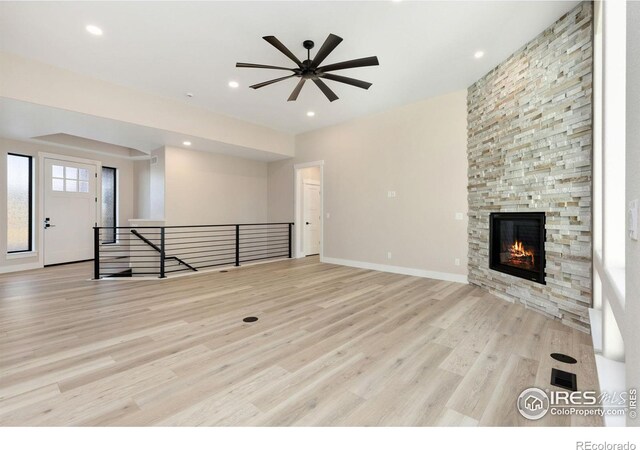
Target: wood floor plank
333,345
517,375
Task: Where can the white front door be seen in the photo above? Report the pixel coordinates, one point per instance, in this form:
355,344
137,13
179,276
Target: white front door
70,211
311,202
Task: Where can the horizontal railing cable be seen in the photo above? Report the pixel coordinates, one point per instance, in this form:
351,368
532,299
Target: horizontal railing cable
162,250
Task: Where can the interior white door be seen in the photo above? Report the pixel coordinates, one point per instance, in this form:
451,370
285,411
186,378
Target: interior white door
312,219
70,211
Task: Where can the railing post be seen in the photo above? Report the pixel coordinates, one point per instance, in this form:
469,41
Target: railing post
96,253
162,275
237,245
290,226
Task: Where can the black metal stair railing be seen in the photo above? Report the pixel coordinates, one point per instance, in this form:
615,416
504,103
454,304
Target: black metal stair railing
159,250
164,250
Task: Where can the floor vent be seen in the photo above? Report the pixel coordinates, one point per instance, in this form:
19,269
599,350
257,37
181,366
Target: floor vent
564,358
250,319
565,380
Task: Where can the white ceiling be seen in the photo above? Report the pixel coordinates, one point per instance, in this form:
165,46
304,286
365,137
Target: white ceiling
170,48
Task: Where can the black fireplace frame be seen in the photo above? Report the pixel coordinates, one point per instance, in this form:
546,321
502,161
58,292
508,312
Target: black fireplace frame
494,250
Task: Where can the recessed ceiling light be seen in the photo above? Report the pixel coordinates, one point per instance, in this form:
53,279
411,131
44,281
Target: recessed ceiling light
96,31
310,114
234,84
187,143
478,54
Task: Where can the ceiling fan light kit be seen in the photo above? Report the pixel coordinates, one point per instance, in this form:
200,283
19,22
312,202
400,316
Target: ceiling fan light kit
310,69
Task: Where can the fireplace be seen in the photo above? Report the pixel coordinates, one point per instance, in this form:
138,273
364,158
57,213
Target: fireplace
517,245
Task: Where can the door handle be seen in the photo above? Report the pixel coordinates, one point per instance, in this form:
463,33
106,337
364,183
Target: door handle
48,225
308,223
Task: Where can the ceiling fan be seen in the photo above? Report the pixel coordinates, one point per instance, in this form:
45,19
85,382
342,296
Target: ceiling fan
311,69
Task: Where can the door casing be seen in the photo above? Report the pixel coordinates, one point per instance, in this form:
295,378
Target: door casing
298,208
39,220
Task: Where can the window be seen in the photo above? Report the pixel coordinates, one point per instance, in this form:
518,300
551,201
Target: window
19,203
69,179
109,206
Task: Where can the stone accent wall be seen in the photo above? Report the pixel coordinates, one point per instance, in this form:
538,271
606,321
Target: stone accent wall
529,149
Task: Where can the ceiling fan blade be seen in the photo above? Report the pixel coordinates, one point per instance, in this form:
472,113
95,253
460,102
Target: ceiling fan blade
329,45
361,62
280,46
267,83
325,89
352,81
294,95
260,66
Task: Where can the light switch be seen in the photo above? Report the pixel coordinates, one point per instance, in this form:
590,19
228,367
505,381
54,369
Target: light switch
459,216
391,194
328,215
632,216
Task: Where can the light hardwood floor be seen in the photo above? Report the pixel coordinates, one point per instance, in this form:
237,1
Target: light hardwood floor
333,346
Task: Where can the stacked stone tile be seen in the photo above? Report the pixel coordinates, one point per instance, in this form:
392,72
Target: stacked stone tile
529,149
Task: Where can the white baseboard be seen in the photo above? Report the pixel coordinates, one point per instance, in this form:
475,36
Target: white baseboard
445,276
20,267
611,376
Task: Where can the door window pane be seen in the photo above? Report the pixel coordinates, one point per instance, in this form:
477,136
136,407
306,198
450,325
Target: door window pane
71,172
83,174
83,186
109,207
71,185
57,171
19,199
57,184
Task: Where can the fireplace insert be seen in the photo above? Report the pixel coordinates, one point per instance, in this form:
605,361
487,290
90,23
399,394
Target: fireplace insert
516,244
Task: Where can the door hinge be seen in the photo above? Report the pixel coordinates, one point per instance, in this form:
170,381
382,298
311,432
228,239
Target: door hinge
96,199
95,174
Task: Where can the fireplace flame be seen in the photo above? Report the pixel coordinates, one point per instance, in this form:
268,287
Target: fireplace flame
518,251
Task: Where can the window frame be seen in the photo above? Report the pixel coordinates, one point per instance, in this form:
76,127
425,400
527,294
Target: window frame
30,243
115,202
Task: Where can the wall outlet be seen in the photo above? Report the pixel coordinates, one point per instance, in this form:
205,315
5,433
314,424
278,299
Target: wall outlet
456,261
388,255
459,216
391,194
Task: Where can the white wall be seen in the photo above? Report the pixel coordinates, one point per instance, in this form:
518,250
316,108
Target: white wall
419,151
632,300
206,188
141,189
310,173
125,192
157,185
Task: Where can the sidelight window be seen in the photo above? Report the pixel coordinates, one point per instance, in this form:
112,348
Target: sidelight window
109,204
19,203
